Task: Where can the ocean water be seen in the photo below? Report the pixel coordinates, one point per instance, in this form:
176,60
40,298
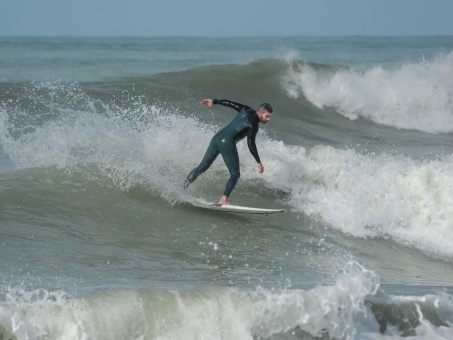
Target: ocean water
99,241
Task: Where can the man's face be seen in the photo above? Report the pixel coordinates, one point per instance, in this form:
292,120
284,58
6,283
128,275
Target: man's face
265,116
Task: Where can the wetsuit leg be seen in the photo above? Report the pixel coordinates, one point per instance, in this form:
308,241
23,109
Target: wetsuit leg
231,158
211,154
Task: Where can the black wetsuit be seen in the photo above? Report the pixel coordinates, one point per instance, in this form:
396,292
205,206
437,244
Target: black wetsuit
224,142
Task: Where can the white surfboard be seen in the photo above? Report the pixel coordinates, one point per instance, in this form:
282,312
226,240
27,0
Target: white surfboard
235,208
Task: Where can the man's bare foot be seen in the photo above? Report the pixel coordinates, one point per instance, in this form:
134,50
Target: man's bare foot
223,200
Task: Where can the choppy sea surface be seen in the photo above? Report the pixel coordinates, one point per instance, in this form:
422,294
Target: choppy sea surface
99,241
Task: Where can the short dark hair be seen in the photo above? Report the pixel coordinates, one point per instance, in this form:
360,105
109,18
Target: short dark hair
267,107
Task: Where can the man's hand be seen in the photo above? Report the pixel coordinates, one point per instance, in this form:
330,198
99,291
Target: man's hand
206,102
260,168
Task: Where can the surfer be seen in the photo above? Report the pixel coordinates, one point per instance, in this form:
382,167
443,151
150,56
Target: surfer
245,124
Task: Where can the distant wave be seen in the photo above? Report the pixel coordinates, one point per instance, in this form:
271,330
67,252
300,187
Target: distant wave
416,96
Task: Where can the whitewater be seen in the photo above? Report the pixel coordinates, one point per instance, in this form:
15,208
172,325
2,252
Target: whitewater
98,240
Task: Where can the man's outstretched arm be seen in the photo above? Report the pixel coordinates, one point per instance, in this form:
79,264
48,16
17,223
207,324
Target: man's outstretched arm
225,102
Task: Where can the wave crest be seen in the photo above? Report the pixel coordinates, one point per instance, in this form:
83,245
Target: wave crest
416,96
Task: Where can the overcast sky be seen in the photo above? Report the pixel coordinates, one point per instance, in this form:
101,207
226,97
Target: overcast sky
225,18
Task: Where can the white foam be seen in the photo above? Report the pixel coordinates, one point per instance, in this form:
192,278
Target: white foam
203,314
407,200
338,311
41,314
414,96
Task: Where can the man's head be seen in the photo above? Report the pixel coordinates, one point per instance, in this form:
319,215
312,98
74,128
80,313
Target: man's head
265,113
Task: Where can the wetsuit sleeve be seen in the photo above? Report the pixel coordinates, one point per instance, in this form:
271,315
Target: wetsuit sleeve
251,136
225,102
